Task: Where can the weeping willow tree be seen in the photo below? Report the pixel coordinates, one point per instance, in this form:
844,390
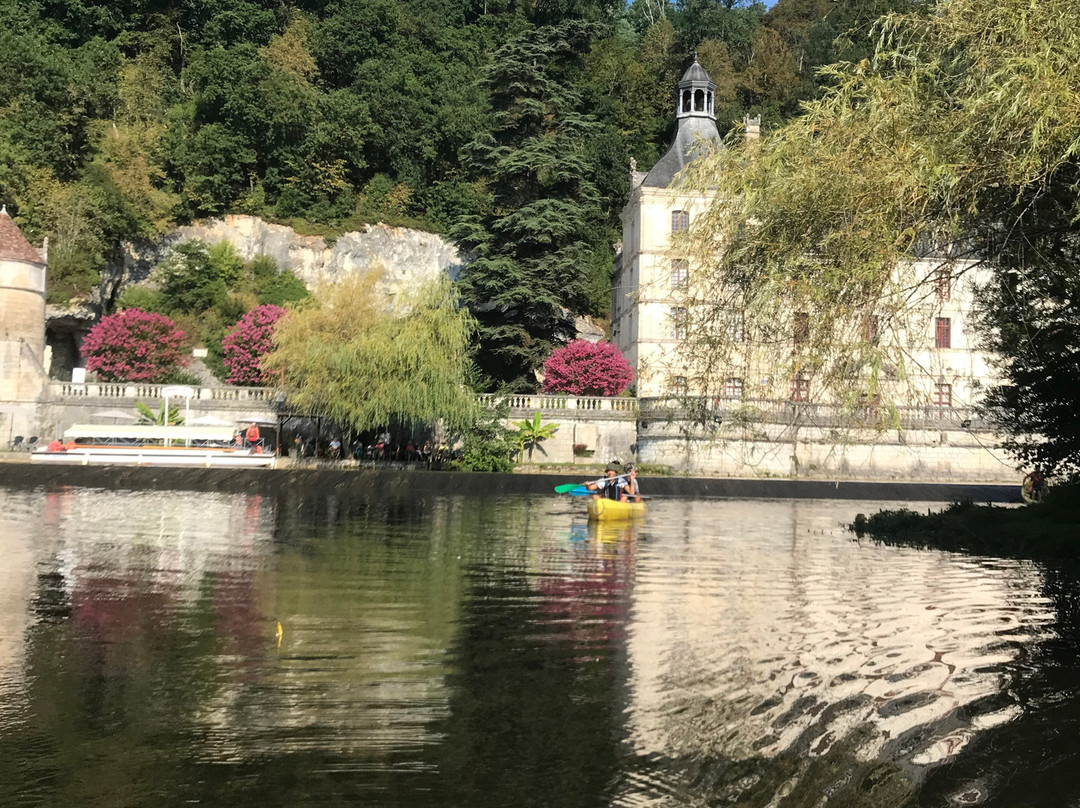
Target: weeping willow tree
363,359
956,145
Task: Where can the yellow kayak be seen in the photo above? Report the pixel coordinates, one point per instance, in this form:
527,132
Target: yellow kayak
610,509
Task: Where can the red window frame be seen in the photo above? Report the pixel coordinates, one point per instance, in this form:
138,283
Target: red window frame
942,332
680,221
733,387
942,394
800,388
942,283
873,324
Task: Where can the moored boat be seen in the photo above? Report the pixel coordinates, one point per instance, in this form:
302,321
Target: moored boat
147,445
611,510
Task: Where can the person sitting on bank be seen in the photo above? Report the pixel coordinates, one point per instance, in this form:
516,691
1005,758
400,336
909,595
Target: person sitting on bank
609,488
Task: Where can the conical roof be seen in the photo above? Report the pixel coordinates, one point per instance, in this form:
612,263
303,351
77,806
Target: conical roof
696,73
13,244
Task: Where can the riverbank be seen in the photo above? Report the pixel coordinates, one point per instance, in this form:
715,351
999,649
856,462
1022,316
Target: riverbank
19,473
1048,531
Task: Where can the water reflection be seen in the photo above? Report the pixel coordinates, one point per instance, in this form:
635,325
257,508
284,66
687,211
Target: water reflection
484,652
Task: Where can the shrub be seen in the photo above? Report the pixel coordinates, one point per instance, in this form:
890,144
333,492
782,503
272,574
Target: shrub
134,345
584,368
247,342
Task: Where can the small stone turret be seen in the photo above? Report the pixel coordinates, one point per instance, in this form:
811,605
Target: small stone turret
22,328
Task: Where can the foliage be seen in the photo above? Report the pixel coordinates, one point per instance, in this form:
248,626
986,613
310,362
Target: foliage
355,359
194,278
134,345
248,341
584,368
532,433
487,444
159,418
526,281
141,297
948,143
1042,531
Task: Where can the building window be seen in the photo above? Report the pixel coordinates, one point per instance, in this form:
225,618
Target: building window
679,386
680,220
873,324
800,387
870,404
680,273
679,322
736,326
942,283
802,327
943,332
733,387
942,395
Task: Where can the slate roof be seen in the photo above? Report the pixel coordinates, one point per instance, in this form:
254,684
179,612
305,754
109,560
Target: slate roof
13,244
696,73
688,141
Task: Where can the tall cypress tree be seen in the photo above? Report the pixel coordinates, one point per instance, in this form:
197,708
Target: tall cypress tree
534,247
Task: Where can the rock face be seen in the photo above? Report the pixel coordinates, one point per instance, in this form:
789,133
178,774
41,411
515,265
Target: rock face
407,257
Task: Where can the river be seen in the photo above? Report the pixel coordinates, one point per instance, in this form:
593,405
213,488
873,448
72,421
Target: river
501,651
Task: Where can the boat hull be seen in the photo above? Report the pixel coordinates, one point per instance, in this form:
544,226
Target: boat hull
610,510
153,456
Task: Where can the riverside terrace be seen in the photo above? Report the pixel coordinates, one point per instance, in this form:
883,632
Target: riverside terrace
712,437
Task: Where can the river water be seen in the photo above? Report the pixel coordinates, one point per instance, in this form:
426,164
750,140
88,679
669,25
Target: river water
481,652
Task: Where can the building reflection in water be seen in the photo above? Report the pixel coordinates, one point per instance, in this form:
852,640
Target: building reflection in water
756,633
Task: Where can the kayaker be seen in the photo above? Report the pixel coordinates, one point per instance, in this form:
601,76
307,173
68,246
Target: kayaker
630,492
609,488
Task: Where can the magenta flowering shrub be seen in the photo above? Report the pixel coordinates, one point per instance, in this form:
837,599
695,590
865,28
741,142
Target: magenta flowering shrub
247,342
134,346
585,368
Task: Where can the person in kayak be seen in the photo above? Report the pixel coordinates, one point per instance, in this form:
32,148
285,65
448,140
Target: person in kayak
630,492
611,487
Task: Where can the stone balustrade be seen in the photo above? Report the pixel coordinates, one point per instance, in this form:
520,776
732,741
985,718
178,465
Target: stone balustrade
559,403
141,391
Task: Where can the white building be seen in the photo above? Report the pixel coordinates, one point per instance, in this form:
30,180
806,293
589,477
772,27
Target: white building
937,365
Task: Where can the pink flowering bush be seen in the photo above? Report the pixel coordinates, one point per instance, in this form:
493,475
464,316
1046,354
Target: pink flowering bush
585,368
247,342
134,346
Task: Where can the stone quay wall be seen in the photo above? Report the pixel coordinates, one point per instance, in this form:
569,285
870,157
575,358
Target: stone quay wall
763,439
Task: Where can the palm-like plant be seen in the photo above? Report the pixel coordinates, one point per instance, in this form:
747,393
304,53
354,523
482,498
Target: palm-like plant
532,433
148,416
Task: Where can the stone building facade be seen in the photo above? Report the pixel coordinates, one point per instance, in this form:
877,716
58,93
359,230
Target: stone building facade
935,341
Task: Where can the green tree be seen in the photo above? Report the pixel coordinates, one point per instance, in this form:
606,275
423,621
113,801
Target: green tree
526,282
953,136
194,278
347,357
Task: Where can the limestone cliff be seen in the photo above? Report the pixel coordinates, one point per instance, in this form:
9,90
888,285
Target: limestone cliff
407,257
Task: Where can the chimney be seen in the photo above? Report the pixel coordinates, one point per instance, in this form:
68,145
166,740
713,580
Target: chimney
752,127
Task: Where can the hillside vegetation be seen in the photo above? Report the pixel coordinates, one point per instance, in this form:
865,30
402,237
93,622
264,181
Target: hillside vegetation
507,126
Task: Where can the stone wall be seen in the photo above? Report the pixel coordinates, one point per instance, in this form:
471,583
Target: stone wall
778,450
